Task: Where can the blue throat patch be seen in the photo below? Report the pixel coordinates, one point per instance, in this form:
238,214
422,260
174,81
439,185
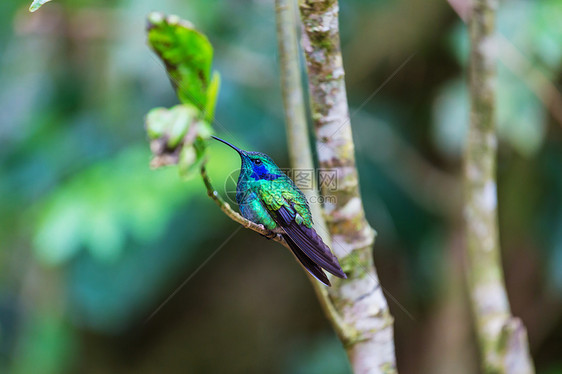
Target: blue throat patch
260,172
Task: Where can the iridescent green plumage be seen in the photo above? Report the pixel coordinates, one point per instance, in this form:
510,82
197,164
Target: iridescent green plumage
267,196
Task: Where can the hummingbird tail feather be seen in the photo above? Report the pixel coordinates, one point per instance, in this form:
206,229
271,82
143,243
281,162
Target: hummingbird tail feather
309,242
307,263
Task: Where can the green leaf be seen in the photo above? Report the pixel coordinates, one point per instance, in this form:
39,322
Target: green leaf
37,4
204,130
156,121
212,94
171,124
187,54
177,134
190,161
173,133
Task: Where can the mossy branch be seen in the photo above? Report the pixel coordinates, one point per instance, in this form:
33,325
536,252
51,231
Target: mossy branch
502,338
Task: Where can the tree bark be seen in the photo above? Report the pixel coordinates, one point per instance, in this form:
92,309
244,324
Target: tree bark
365,323
502,338
298,139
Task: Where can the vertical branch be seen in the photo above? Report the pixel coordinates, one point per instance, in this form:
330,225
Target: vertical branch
297,131
293,98
362,310
502,337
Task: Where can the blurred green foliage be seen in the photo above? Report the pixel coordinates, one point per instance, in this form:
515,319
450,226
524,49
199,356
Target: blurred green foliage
320,355
93,241
532,27
50,346
106,204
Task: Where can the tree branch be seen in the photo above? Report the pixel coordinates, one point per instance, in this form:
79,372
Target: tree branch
293,97
297,134
502,337
358,301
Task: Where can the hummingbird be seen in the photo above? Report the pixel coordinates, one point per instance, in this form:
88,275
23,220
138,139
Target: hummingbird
267,196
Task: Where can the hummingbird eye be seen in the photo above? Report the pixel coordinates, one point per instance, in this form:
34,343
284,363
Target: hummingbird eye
257,161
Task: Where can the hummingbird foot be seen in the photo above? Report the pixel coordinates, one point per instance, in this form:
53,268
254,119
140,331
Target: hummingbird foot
270,234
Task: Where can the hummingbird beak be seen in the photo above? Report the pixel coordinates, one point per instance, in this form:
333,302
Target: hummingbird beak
241,152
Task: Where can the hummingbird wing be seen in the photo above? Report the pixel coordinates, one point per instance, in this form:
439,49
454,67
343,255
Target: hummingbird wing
306,240
288,207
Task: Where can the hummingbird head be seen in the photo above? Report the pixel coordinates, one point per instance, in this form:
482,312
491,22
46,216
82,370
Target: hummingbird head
255,165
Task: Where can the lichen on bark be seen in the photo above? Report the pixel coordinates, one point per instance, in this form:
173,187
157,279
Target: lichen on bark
366,324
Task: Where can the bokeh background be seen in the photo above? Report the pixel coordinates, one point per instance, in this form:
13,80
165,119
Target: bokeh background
92,241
